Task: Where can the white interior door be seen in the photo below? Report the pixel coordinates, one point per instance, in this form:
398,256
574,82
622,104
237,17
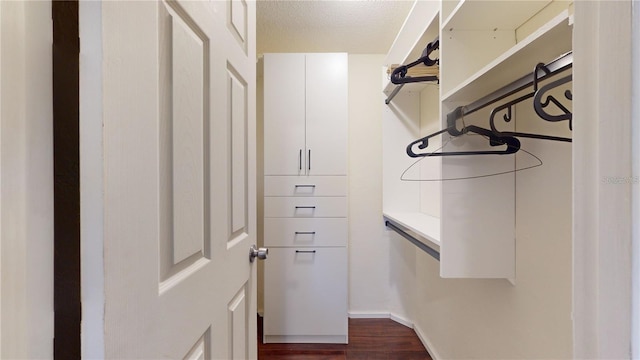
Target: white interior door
179,179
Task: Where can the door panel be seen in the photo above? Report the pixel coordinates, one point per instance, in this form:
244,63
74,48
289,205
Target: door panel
238,123
183,175
186,125
179,174
326,103
201,350
238,317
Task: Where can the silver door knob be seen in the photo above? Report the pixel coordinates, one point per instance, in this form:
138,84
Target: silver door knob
260,253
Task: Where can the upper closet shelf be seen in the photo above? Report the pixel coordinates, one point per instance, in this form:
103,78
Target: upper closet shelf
547,43
419,29
476,15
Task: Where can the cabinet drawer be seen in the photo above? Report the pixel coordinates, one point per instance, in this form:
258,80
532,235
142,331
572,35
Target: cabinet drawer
305,293
305,206
305,186
305,232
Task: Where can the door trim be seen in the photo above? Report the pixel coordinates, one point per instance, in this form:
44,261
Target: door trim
66,170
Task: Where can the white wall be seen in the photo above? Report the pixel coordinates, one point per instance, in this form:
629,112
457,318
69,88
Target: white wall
26,180
369,247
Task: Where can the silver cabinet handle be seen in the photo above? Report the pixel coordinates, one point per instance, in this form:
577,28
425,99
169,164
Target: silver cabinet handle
300,160
309,159
305,251
305,186
305,207
305,232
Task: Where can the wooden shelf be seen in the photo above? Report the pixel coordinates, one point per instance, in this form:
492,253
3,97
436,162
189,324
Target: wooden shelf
547,43
492,15
425,226
410,87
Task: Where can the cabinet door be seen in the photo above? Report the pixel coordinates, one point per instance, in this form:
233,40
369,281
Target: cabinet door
326,103
284,114
305,295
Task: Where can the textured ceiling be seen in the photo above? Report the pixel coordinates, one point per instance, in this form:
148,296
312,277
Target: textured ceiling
357,27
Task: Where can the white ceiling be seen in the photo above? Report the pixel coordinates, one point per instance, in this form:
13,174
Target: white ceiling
353,26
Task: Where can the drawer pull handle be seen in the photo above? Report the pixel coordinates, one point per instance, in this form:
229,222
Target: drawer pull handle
305,207
305,232
305,251
309,186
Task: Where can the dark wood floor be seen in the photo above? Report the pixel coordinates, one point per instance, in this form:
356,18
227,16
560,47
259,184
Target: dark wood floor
373,339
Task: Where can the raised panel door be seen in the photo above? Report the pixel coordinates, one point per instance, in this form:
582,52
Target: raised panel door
179,179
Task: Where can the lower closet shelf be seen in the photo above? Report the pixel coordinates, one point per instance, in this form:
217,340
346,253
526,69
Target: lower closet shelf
410,224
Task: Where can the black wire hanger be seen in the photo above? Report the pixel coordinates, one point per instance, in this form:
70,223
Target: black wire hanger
512,143
399,75
539,106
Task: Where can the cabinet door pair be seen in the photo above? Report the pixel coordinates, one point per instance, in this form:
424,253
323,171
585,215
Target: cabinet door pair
305,114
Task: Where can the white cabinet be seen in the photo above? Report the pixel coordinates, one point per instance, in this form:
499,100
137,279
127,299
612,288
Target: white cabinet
305,204
305,114
306,292
307,240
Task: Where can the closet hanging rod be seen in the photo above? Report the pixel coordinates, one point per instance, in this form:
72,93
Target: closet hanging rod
560,64
393,94
434,253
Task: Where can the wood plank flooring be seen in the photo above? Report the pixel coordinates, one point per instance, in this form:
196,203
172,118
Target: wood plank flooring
372,339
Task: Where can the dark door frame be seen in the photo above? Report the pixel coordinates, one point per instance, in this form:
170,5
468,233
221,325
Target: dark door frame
66,174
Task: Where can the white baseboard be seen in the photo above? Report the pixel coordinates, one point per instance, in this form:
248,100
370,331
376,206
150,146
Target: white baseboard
427,344
401,320
369,315
380,315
